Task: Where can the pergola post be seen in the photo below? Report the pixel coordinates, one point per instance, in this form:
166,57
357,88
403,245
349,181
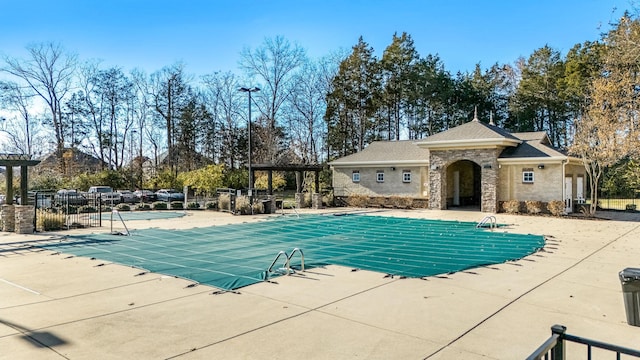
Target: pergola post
9,200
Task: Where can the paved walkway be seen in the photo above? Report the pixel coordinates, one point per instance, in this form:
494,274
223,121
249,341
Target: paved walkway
53,306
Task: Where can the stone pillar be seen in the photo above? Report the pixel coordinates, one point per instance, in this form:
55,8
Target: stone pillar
299,200
24,219
8,215
316,201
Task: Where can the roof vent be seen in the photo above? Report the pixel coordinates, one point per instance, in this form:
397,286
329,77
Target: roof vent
491,118
475,114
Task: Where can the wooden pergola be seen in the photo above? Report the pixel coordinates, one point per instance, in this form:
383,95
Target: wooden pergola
298,168
9,161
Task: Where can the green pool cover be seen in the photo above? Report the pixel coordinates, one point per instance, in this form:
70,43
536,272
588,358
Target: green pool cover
233,256
140,215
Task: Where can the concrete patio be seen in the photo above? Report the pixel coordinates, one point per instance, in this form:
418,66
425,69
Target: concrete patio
53,306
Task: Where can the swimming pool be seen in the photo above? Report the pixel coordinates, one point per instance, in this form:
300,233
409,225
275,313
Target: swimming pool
233,256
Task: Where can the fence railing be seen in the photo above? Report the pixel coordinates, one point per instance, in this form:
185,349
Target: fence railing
555,347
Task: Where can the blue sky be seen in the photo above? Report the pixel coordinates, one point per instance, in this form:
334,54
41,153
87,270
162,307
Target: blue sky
209,35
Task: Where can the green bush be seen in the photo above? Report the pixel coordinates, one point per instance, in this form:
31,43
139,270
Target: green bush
143,206
178,205
123,207
159,205
193,205
48,221
211,205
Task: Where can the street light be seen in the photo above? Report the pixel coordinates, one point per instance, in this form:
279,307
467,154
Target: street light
250,90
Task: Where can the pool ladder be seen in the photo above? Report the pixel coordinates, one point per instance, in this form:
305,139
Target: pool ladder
286,269
114,211
489,219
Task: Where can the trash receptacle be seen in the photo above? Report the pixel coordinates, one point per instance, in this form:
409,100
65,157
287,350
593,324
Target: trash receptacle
630,280
266,205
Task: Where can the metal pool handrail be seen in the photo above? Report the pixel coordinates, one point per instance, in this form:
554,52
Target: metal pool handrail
286,257
489,219
121,219
301,257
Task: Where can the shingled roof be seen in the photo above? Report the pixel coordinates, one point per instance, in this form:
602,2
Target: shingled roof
382,152
472,134
534,145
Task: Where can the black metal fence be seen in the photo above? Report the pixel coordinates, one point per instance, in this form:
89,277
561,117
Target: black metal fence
555,348
68,210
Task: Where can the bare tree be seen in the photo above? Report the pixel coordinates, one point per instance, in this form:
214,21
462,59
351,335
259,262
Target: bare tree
48,72
306,124
225,101
273,64
23,128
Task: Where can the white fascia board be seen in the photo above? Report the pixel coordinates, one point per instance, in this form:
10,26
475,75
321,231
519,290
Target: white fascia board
468,144
379,163
532,160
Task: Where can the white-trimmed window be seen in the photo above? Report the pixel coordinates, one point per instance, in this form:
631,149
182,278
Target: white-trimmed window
527,176
406,176
380,176
355,176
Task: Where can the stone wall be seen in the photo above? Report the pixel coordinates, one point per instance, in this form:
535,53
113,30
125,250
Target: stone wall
8,215
485,158
24,219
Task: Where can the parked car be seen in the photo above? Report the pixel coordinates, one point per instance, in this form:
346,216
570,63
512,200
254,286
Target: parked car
169,195
145,195
69,197
106,193
126,196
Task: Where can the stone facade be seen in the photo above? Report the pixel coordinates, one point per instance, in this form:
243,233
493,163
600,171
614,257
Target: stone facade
485,158
24,215
8,215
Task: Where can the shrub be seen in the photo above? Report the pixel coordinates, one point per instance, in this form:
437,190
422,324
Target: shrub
327,199
193,205
211,205
123,207
224,200
178,205
357,200
87,209
533,206
143,206
159,205
258,207
511,206
556,207
48,221
242,205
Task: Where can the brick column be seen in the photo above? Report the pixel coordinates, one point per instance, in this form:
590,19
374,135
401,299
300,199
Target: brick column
299,200
316,201
24,219
8,215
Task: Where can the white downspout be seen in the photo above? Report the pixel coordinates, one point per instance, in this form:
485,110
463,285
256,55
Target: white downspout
564,190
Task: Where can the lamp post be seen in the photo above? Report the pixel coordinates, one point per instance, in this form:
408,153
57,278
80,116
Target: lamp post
249,91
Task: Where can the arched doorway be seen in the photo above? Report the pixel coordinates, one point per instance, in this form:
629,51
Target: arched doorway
464,180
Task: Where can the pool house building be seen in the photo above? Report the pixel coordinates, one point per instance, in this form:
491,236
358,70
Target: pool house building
475,164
